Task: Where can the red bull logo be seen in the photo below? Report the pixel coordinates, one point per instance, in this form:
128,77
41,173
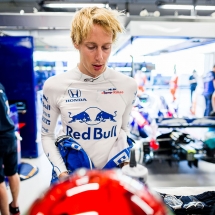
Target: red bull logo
46,106
46,121
91,133
92,116
45,98
102,116
81,117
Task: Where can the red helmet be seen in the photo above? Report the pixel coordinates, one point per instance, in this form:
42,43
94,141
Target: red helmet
97,192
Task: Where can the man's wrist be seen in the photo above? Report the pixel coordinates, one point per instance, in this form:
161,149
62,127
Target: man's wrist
63,174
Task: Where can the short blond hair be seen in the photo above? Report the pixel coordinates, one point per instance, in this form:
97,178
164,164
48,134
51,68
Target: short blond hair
85,18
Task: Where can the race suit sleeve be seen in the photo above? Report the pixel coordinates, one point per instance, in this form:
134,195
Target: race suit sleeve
49,120
6,123
129,105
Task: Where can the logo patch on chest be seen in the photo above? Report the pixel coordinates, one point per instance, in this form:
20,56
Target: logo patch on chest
92,116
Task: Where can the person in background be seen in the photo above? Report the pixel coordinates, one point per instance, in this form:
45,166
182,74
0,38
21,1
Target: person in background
141,79
212,113
173,85
8,159
94,101
193,83
209,86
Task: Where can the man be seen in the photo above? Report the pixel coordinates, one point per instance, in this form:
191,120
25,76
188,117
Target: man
173,85
94,101
193,83
8,159
141,79
209,86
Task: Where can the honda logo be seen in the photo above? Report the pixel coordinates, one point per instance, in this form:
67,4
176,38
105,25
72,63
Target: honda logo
74,93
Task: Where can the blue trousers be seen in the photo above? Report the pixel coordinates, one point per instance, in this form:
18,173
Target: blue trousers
208,104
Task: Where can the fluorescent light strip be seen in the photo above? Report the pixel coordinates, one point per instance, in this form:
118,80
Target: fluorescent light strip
206,7
177,7
73,5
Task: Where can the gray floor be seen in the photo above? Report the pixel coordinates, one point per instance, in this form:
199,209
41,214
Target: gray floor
181,175
161,177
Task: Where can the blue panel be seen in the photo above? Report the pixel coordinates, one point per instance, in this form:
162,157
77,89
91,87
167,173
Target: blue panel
16,74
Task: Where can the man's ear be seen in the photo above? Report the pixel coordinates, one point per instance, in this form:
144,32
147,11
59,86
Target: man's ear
76,46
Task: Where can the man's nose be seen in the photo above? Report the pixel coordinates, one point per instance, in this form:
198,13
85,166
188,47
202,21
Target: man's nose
99,54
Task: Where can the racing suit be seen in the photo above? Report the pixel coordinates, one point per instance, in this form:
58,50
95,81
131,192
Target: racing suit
8,147
93,111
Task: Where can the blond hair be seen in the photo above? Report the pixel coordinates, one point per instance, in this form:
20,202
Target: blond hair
84,20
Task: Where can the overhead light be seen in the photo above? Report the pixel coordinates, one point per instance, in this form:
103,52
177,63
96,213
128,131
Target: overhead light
72,5
204,7
176,7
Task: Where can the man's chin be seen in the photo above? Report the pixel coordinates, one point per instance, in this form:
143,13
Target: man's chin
96,73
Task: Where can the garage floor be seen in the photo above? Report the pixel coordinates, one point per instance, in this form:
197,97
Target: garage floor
161,177
181,175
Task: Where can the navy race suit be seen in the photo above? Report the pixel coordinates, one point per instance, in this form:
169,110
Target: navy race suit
93,111
6,123
8,147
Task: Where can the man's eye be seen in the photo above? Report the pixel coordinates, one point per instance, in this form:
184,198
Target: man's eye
91,47
106,48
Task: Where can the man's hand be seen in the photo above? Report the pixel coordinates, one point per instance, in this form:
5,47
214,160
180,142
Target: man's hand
63,176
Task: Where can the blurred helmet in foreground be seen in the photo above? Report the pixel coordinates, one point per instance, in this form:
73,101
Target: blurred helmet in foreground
97,192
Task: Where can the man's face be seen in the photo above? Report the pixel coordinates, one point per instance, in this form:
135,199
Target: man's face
95,51
213,69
